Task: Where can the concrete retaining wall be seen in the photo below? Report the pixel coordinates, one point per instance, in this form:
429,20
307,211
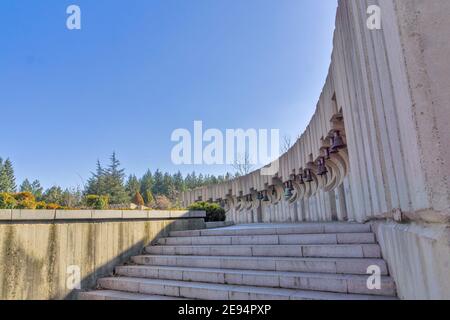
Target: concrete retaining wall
38,248
418,257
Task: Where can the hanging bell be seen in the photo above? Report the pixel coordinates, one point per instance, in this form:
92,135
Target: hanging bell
291,186
308,176
338,142
322,170
260,196
300,179
287,191
327,154
266,198
274,192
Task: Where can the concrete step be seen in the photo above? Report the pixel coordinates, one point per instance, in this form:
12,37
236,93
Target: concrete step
120,295
281,229
332,251
212,291
315,265
355,284
328,238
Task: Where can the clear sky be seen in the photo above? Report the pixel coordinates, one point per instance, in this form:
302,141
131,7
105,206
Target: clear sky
139,69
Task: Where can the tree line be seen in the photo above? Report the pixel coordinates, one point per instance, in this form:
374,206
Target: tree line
156,189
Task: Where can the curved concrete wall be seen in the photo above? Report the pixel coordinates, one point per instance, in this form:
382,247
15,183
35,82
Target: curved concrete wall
387,92
387,95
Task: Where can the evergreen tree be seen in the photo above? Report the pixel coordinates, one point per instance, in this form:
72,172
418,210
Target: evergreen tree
7,179
26,186
114,186
132,186
96,184
158,183
150,202
54,195
37,190
178,182
146,187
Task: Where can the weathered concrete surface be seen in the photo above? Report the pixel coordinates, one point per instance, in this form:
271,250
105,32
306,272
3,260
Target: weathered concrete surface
418,257
34,256
242,272
387,91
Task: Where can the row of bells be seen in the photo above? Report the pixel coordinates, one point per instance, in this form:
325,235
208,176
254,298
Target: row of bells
306,176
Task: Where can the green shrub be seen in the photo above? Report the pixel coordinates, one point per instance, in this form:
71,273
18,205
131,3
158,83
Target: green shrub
41,205
214,212
97,202
7,201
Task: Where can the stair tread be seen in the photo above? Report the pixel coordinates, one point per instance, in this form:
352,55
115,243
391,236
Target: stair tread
255,272
280,229
273,239
232,290
264,258
121,295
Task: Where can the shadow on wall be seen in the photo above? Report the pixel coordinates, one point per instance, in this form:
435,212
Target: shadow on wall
39,260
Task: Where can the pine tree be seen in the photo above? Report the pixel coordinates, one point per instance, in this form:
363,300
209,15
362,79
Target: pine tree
178,182
114,182
7,179
96,184
132,186
26,186
146,187
158,183
37,190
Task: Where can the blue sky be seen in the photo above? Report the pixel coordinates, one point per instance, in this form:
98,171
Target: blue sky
139,69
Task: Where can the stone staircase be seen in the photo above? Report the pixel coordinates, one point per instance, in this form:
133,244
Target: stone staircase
252,262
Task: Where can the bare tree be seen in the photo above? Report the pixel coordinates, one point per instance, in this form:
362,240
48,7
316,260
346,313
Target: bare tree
242,165
286,144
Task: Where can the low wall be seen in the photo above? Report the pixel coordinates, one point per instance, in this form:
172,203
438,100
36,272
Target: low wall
418,257
41,249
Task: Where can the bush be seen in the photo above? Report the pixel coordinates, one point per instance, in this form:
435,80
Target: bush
214,212
25,200
97,202
53,206
7,201
162,203
41,205
138,200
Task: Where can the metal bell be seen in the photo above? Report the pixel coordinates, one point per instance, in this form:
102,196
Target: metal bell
266,198
322,169
338,142
327,154
308,176
287,193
